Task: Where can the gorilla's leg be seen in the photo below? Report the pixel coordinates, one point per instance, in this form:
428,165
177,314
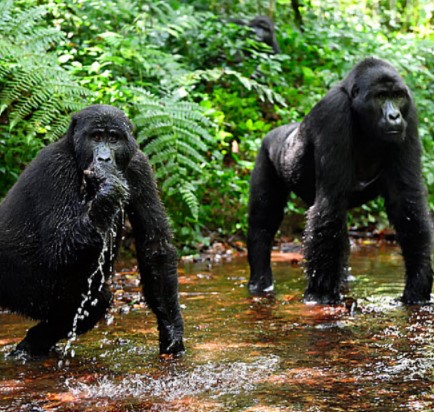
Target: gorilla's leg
42,337
268,196
411,219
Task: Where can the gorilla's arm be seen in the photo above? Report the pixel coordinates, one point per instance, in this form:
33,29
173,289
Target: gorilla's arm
74,210
67,223
156,255
326,241
46,209
406,206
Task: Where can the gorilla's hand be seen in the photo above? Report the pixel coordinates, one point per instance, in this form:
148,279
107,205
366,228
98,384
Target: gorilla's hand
109,192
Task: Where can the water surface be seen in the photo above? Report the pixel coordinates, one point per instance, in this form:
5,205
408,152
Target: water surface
244,353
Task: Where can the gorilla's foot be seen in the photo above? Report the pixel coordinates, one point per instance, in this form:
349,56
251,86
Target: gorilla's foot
316,298
261,287
415,299
418,289
26,350
173,348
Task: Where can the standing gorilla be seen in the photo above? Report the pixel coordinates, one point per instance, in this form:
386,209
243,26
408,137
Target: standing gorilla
360,141
60,228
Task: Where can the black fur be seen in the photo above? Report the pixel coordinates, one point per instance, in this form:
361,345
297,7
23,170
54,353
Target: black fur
359,142
264,31
53,222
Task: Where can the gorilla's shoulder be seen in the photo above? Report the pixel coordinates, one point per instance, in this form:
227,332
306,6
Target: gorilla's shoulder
55,156
59,150
55,162
140,174
139,164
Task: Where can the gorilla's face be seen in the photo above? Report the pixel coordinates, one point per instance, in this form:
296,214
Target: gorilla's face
102,135
381,102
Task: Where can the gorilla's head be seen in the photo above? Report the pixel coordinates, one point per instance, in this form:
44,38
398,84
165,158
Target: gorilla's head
102,134
380,100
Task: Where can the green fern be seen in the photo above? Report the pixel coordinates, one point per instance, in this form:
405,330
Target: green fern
213,75
34,89
174,134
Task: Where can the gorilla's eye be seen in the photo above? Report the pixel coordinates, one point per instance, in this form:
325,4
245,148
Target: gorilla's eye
115,136
96,138
398,94
354,91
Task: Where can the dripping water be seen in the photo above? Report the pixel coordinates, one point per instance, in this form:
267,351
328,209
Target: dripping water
108,246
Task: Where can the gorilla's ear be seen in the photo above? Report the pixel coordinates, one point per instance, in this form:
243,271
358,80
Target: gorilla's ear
354,91
71,129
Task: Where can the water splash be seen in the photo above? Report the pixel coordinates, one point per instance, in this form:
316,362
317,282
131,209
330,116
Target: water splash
211,378
108,246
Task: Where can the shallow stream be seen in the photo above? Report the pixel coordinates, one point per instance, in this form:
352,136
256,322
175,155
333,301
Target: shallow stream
244,353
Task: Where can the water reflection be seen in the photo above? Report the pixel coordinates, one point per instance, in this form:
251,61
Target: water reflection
244,353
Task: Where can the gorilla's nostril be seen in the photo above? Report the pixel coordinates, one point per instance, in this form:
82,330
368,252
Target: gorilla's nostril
394,116
104,159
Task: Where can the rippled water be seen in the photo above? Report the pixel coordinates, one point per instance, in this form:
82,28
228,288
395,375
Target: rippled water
244,354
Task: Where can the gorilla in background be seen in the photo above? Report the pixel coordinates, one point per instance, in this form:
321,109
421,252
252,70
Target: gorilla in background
60,229
359,142
264,30
263,27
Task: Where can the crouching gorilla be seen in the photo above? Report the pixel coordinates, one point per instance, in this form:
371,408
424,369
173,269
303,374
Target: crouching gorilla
359,142
60,228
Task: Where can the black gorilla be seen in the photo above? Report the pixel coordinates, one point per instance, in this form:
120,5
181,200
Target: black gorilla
60,228
264,30
360,141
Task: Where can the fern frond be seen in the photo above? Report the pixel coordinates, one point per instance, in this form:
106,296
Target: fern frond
159,143
5,12
189,163
191,139
214,75
187,191
174,135
191,152
23,22
58,127
36,91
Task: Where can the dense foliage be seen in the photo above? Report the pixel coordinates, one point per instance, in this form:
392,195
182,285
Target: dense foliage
201,91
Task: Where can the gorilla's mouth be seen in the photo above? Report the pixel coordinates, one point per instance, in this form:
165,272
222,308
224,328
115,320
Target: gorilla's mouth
393,132
394,135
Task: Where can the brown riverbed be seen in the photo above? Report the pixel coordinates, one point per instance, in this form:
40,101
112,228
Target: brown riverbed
244,353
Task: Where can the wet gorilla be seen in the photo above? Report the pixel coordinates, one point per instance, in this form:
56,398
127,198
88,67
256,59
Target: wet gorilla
359,142
60,228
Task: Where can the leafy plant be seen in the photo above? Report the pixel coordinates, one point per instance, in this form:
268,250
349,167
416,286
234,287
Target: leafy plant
174,134
36,94
202,91
34,87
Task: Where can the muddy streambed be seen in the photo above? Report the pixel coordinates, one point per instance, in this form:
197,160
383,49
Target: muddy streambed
244,354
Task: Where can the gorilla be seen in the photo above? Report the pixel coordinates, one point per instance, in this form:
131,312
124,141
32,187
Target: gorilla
60,230
263,28
264,31
357,143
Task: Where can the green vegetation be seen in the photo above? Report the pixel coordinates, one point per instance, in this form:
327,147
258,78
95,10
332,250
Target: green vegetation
200,90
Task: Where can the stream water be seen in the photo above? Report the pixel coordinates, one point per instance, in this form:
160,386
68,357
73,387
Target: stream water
243,353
